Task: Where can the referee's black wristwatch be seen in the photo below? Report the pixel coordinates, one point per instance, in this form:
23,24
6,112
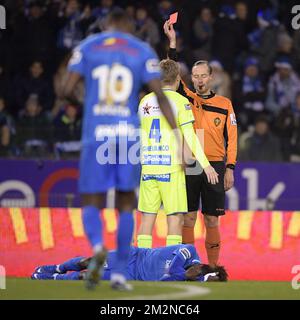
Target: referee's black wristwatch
230,166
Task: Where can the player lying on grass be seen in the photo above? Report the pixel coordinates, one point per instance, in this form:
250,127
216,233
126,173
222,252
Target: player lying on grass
172,263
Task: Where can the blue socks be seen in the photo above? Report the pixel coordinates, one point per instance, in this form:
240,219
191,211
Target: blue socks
124,238
68,276
70,265
92,225
93,230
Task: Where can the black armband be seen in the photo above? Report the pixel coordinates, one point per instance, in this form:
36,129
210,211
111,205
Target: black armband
230,166
172,54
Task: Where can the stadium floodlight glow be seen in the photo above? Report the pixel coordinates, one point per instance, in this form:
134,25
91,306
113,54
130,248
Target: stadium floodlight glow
2,278
2,18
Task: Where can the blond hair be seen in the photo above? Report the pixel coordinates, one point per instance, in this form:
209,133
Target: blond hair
170,71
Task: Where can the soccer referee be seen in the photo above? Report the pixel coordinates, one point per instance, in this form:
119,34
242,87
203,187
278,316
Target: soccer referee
214,115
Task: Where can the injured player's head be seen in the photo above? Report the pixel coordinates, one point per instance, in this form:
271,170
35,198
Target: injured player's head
204,272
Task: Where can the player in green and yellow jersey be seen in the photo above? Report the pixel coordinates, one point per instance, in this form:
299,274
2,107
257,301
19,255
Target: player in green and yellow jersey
163,178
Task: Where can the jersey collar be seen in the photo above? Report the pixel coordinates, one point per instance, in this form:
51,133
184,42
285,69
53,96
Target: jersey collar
207,96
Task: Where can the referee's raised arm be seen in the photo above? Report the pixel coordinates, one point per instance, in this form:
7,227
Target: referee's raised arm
172,54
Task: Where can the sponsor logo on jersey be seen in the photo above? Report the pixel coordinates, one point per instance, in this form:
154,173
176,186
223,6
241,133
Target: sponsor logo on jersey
157,177
114,131
151,159
146,109
114,41
111,110
152,65
232,119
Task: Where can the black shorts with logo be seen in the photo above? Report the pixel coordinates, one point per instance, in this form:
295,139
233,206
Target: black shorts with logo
212,195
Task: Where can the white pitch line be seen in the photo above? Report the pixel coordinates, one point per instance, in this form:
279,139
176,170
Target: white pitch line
186,292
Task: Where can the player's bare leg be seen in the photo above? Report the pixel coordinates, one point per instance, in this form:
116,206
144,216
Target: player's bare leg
94,271
144,238
212,240
175,223
189,221
125,203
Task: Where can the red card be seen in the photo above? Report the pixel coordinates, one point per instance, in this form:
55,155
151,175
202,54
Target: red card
173,17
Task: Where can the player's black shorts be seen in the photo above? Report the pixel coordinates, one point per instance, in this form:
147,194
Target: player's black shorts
212,195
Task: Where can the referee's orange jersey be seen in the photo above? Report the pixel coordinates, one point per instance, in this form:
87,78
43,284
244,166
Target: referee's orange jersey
215,115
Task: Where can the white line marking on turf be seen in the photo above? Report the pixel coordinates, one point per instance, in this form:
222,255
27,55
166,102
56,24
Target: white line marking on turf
186,291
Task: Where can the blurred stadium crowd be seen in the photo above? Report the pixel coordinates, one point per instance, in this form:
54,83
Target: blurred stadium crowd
252,47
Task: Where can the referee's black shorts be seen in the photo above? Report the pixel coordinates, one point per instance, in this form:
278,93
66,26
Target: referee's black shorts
212,195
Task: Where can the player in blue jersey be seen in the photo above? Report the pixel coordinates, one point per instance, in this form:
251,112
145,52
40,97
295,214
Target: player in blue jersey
172,263
114,65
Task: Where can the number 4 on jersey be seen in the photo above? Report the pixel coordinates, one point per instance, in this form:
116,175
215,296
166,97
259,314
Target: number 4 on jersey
155,130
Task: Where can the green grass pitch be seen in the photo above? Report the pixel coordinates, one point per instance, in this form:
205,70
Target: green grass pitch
20,288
